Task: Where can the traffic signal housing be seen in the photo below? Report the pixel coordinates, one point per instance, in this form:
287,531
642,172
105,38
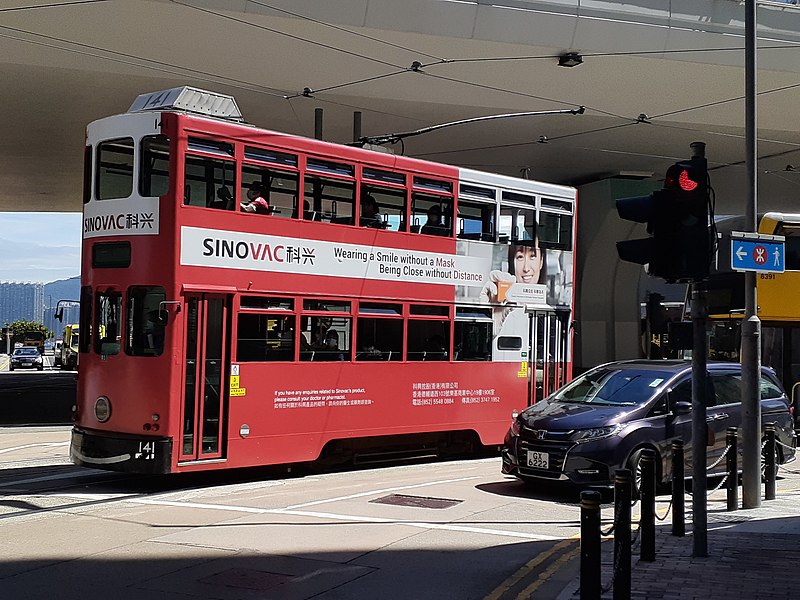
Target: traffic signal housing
677,221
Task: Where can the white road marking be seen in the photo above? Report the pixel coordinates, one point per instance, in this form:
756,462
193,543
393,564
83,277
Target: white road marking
381,491
71,474
341,517
26,446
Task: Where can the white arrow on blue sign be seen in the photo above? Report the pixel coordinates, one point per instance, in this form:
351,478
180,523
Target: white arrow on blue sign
757,252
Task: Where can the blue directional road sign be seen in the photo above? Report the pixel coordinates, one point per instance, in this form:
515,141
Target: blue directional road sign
757,252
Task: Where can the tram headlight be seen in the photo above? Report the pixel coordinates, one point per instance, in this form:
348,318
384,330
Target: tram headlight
102,409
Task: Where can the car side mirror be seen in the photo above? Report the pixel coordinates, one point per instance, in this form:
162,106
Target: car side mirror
681,407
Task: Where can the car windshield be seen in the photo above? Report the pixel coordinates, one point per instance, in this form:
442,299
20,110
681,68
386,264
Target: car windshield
26,352
612,386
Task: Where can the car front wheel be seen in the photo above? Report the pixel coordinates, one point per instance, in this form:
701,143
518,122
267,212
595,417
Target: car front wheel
635,466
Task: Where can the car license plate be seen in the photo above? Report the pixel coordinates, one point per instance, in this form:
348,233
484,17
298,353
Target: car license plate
538,460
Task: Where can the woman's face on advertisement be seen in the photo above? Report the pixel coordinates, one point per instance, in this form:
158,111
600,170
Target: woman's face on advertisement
527,265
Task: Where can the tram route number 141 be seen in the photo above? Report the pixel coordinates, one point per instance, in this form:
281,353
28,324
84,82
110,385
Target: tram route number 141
147,451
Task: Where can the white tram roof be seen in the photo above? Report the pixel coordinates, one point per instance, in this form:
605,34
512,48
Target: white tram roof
190,100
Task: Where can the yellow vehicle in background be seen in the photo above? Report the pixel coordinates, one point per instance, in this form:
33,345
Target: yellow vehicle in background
778,309
68,357
34,339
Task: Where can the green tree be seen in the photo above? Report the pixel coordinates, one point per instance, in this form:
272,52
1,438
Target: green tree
18,329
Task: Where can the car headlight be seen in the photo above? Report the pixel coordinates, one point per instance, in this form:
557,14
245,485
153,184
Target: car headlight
38,360
595,433
515,427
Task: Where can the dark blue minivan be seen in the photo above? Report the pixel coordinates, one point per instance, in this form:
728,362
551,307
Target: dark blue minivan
604,418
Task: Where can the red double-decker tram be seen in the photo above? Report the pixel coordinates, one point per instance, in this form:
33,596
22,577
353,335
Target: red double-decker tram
251,297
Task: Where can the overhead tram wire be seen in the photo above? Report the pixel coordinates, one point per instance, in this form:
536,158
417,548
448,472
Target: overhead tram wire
50,5
137,61
284,34
515,93
440,61
345,30
249,86
518,144
728,100
786,46
312,91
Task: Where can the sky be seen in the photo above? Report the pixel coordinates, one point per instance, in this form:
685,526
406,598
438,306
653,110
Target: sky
39,247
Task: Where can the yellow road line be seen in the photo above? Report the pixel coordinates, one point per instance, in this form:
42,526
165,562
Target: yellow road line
547,573
524,570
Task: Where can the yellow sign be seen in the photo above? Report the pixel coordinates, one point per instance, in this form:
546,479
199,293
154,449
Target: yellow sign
234,382
238,391
523,369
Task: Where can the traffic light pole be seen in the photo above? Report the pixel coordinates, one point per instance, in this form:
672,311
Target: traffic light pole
699,403
699,425
751,325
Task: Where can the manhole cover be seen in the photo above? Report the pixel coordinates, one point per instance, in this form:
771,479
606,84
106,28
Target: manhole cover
418,501
728,519
248,579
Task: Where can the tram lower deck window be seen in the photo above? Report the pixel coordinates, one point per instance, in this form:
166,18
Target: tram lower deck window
145,326
265,337
472,340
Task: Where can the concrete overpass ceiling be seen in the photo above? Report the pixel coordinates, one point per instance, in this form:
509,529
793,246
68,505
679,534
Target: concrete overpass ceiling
72,63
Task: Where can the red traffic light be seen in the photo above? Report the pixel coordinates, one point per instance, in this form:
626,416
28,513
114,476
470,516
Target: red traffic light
685,182
682,177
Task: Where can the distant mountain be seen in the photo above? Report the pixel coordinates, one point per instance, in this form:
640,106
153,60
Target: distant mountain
63,289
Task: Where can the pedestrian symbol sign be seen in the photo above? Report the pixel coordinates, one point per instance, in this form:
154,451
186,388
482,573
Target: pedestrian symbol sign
757,252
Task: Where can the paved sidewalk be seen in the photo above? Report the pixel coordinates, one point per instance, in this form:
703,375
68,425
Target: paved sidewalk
753,554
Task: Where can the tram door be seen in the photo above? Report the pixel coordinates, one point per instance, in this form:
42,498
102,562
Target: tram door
205,396
549,352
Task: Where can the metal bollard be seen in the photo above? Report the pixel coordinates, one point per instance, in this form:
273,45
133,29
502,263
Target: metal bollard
623,491
770,467
647,494
590,545
678,489
732,467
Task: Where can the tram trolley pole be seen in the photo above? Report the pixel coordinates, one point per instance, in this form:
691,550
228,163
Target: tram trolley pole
648,497
678,489
732,467
623,492
590,545
770,467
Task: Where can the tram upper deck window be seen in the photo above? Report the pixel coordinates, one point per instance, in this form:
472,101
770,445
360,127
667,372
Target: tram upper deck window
154,172
432,215
384,176
209,182
391,204
476,220
555,230
517,217
87,174
280,188
331,200
270,156
114,169
145,324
